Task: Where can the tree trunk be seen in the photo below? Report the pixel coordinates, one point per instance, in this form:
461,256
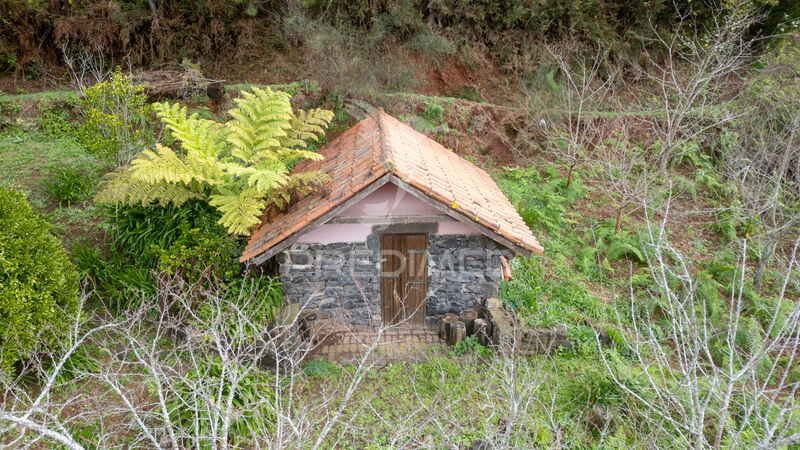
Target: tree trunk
481,328
618,225
456,332
444,326
468,316
569,175
763,260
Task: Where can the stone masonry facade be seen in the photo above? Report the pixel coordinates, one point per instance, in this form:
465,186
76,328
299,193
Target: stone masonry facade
343,279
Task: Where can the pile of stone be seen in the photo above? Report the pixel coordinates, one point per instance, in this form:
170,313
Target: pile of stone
494,326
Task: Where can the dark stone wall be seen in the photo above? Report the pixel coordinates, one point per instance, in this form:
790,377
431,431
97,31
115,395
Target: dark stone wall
463,270
344,278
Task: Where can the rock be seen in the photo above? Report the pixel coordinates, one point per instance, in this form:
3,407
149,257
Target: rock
599,416
328,303
481,444
216,90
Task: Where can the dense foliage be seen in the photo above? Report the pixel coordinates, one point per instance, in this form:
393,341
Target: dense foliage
38,283
218,32
189,412
146,241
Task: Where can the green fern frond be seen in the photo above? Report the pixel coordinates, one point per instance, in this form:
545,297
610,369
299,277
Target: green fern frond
309,125
198,137
122,187
268,175
164,165
261,119
241,211
621,248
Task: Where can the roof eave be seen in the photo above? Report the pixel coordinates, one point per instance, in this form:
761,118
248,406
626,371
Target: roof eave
486,231
260,257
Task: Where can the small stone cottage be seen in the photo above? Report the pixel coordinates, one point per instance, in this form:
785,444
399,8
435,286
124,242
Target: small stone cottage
403,231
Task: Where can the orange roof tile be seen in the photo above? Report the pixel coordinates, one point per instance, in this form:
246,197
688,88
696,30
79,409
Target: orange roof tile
381,145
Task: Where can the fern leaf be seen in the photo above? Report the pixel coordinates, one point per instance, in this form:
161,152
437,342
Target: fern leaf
122,187
198,137
241,211
164,165
308,125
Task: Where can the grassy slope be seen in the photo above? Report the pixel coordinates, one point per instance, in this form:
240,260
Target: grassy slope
30,156
577,282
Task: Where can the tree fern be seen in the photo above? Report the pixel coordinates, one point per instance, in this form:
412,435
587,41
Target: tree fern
240,167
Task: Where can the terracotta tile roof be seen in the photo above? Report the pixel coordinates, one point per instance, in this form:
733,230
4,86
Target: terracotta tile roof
381,145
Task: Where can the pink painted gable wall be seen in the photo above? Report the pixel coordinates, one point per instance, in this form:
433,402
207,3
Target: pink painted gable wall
388,200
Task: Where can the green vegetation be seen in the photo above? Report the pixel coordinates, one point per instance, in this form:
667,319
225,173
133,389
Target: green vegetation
38,283
115,114
665,197
240,167
70,186
240,386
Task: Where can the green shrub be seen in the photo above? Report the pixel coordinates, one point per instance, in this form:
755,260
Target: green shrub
433,112
38,284
55,122
469,345
190,411
320,368
69,185
140,231
200,251
434,46
117,118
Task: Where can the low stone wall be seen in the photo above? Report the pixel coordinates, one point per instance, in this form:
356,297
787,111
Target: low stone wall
344,278
504,330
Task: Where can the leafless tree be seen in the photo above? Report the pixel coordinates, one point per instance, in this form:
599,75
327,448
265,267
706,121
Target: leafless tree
765,161
197,366
173,359
766,169
700,385
85,67
696,71
623,171
586,84
29,416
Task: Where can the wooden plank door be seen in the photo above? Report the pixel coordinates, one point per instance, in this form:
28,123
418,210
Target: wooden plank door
404,278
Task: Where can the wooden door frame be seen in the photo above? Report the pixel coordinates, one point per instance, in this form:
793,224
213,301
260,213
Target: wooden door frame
388,302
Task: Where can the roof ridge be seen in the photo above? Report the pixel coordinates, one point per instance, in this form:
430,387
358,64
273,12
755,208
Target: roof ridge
383,144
